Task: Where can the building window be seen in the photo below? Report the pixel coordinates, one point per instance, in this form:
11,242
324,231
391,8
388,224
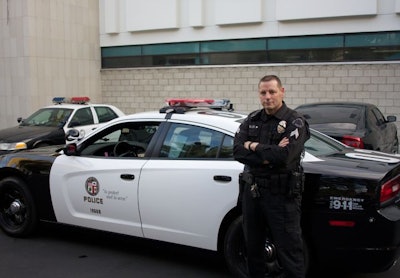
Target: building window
384,46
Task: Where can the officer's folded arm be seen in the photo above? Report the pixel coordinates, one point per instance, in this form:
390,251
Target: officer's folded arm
272,154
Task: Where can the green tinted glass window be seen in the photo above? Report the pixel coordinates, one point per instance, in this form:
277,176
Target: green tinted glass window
121,51
363,40
233,45
172,48
305,42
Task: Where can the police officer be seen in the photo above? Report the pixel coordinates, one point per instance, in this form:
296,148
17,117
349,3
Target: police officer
270,142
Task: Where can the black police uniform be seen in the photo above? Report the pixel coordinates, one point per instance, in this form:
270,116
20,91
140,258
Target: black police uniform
274,203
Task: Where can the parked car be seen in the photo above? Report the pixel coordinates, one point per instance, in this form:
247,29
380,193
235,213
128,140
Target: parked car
170,175
48,125
360,125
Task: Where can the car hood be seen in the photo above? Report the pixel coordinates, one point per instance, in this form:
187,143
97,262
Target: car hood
22,133
37,156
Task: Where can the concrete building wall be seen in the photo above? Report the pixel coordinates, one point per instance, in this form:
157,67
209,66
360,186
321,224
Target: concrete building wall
47,48
135,22
141,89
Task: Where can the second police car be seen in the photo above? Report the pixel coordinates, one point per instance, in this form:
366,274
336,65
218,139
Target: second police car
170,176
47,126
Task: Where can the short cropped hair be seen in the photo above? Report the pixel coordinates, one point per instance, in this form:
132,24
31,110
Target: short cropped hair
267,78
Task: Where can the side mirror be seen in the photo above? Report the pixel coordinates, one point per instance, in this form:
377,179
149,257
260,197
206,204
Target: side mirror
71,150
72,135
19,119
391,119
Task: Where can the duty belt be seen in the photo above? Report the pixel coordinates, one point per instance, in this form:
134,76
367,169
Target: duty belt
270,180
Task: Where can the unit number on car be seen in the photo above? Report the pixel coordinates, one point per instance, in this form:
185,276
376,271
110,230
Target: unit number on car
345,203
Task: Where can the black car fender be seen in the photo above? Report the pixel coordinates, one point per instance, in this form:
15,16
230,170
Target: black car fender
35,173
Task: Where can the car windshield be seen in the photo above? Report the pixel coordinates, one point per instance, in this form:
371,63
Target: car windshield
51,117
332,117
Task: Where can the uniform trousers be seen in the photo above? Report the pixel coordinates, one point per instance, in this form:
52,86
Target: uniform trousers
281,216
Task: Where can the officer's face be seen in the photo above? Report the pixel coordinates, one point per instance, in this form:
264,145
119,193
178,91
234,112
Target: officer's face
271,96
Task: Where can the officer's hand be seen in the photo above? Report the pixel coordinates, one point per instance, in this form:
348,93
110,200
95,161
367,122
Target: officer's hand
284,142
247,145
251,146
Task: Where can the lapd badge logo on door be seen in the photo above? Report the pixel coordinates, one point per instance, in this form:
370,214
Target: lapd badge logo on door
92,186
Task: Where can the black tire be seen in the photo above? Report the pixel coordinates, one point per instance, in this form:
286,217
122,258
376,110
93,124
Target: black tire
235,252
18,214
234,249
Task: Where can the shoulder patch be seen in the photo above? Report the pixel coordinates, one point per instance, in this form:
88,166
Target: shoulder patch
298,122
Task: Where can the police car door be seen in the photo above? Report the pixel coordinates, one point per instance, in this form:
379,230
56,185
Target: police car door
98,188
186,191
83,119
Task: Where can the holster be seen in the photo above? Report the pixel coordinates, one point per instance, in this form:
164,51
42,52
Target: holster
245,179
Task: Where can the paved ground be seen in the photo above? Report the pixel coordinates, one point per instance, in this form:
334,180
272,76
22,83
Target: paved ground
63,252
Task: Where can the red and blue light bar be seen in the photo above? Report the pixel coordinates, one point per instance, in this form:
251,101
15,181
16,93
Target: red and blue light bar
198,102
73,100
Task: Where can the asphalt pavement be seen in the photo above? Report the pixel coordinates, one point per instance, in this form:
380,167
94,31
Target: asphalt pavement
62,252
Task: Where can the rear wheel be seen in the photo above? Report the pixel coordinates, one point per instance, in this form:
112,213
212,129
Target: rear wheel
234,249
18,215
236,258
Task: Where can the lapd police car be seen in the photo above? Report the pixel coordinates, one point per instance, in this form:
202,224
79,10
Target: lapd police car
48,125
170,176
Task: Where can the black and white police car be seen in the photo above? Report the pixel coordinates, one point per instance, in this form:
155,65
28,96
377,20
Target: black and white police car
47,126
170,176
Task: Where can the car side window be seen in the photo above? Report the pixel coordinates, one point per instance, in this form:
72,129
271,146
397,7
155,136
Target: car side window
380,119
82,116
122,140
105,114
191,142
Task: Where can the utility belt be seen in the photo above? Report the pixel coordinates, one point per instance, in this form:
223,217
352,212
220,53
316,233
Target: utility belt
289,184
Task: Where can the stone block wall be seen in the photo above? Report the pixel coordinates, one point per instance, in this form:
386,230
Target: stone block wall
141,89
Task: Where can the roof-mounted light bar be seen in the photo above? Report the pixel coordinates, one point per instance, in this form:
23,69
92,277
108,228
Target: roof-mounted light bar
181,105
73,100
59,100
80,100
198,102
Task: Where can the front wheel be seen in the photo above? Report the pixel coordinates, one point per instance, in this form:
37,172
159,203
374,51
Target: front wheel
235,252
18,215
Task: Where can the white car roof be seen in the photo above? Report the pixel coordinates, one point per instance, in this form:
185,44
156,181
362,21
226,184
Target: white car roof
219,119
77,106
74,106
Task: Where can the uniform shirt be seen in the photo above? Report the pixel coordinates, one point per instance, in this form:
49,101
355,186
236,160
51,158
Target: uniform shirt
268,131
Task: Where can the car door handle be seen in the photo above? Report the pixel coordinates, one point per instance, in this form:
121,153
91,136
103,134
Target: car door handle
222,178
127,177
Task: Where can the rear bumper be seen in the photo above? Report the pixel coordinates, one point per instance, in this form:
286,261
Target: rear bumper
371,245
365,260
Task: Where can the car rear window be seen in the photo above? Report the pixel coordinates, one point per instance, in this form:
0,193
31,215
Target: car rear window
322,145
337,117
